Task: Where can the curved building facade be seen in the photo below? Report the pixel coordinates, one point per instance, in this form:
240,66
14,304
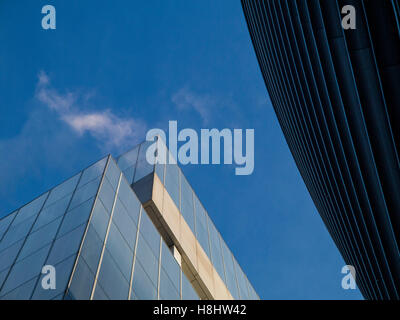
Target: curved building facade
336,94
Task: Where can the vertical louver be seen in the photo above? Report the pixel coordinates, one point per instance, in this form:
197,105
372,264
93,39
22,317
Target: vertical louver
336,93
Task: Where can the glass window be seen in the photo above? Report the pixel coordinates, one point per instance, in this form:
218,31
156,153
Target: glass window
91,249
253,294
16,232
66,245
146,257
143,168
187,207
133,296
125,224
150,233
3,275
128,159
159,169
76,217
5,222
142,287
229,270
111,279
107,195
129,200
216,250
168,289
201,226
23,292
120,251
172,182
25,270
31,209
82,282
128,173
113,174
66,188
241,279
99,293
168,262
93,172
84,193
99,220
39,238
49,213
7,256
162,152
63,272
188,292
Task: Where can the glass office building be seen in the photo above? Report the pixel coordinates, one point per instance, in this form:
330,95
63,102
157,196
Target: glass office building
120,229
335,92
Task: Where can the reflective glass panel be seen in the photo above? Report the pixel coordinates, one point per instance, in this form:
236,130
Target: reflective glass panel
125,224
172,182
168,289
99,293
23,292
66,245
91,249
94,171
82,282
107,194
100,219
168,262
216,250
143,168
5,223
229,270
66,188
187,207
129,200
142,287
241,279
113,174
76,217
188,293
51,212
201,226
120,251
16,232
63,273
111,279
8,255
128,159
39,238
150,233
146,257
30,209
25,270
84,193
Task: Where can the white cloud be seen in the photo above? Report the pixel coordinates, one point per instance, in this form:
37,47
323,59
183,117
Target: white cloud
50,143
110,131
106,127
186,99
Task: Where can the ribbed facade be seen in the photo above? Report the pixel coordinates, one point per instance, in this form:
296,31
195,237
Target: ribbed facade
336,94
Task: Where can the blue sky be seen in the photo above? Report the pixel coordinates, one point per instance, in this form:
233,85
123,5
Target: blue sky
114,69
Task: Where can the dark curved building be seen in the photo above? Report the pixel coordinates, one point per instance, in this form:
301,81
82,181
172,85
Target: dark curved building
336,94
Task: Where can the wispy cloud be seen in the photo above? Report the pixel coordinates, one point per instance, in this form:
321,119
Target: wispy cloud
109,130
64,131
186,99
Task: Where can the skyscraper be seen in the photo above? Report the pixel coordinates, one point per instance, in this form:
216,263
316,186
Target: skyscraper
335,92
120,229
